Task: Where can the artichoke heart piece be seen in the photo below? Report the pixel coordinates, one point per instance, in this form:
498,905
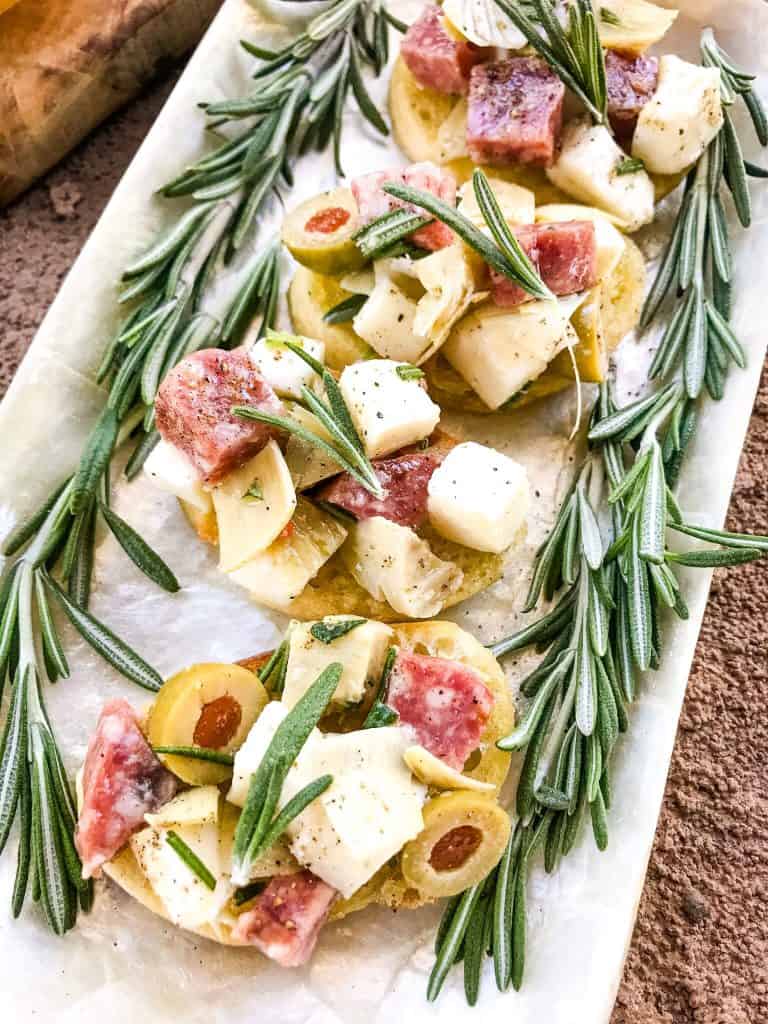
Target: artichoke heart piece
395,565
207,705
277,575
307,463
463,839
632,25
452,135
319,233
196,806
310,297
499,351
434,772
253,505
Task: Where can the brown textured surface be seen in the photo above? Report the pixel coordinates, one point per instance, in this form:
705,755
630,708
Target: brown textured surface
701,942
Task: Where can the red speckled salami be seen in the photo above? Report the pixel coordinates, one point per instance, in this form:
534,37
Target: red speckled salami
122,781
564,253
372,202
435,58
631,82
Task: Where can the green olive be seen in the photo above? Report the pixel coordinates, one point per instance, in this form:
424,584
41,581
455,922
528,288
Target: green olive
320,233
463,839
208,705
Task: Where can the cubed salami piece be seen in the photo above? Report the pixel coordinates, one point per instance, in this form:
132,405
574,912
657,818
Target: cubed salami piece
515,112
373,202
445,703
631,81
404,479
435,58
122,781
286,918
193,410
564,253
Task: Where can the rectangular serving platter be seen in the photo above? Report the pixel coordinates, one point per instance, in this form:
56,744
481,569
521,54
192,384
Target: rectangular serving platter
121,963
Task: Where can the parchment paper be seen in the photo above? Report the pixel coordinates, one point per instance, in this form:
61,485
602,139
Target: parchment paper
123,964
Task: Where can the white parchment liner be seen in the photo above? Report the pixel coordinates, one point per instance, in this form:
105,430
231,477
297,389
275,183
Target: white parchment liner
123,964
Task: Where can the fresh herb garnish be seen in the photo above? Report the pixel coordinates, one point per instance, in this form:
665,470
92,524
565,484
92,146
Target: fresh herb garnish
327,632
347,448
609,17
613,583
190,858
199,754
631,165
380,238
381,713
504,253
257,828
272,674
255,492
574,53
407,372
246,893
345,310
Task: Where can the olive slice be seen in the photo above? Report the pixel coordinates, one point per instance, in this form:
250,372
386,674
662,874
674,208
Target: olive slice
463,839
208,705
320,233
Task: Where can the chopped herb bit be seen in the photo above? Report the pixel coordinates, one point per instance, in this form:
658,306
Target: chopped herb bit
381,713
630,166
327,632
406,372
199,753
609,17
345,310
247,893
191,859
255,491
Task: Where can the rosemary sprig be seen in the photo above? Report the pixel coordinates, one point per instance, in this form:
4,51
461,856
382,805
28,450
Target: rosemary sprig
190,858
608,567
380,712
697,266
345,310
258,827
346,448
503,253
574,52
199,754
327,632
385,236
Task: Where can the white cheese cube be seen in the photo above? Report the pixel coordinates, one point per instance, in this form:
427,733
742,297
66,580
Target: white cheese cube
386,320
286,372
249,522
478,497
371,809
361,651
681,118
389,412
198,806
499,351
169,469
587,169
188,902
395,565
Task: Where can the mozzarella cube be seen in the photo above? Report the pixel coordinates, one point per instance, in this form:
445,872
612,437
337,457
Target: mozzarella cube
479,497
361,651
253,506
286,372
389,412
386,320
367,814
587,169
499,351
169,469
395,565
681,118
188,902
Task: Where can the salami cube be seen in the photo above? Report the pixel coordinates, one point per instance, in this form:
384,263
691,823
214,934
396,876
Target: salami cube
193,410
631,81
564,253
404,479
515,112
122,781
373,202
445,703
286,918
435,58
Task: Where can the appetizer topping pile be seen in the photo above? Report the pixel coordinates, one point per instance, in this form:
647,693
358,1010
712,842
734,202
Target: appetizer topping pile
362,743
